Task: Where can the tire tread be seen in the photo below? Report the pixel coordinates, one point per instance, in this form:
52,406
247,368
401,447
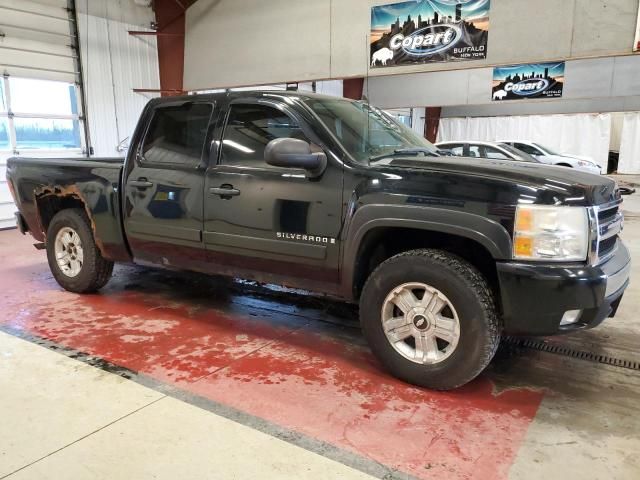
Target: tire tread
99,269
476,283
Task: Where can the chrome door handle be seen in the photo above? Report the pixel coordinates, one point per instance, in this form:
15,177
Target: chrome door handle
141,183
224,191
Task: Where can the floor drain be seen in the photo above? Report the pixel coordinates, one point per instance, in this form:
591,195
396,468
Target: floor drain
542,346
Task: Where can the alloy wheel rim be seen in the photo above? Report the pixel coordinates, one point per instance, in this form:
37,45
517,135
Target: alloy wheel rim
69,252
420,323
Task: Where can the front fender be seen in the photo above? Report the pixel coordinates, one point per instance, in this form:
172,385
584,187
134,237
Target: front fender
488,233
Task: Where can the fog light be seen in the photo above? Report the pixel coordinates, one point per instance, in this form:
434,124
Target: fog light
570,316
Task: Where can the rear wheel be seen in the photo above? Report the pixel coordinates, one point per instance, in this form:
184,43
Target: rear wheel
430,318
74,259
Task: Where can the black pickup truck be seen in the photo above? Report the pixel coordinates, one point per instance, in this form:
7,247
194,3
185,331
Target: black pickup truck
444,254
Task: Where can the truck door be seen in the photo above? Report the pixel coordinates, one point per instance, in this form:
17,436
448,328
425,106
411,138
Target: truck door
163,187
271,223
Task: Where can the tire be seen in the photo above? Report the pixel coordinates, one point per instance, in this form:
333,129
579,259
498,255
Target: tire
94,271
469,304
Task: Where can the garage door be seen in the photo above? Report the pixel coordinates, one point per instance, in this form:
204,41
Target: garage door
39,90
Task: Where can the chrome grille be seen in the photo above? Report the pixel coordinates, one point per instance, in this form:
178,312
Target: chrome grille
606,223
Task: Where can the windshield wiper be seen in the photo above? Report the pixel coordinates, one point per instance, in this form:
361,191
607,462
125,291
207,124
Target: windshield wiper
406,151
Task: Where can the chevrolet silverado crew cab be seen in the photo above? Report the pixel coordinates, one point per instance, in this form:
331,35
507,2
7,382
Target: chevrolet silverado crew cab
443,254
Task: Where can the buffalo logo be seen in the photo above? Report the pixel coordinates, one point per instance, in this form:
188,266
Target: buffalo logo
383,56
427,41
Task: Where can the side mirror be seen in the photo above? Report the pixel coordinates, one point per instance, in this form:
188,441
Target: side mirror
294,153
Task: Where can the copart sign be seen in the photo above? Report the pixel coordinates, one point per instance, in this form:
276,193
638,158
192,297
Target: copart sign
532,80
424,31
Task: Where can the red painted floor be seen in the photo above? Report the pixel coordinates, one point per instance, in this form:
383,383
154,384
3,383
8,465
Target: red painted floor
270,359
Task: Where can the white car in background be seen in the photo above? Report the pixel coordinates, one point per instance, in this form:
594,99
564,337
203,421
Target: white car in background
488,150
546,155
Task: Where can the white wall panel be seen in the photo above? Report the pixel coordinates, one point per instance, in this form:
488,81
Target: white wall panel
244,42
251,42
592,85
418,116
523,31
134,65
601,26
115,63
98,84
629,161
626,76
330,87
419,89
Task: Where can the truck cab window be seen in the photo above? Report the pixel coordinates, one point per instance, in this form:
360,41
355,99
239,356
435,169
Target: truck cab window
249,128
177,134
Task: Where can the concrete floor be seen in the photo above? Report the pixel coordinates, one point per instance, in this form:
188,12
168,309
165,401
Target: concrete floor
166,375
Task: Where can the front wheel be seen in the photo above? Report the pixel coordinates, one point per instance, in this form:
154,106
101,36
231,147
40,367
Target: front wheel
74,259
430,318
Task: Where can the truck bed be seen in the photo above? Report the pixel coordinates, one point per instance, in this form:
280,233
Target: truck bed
92,184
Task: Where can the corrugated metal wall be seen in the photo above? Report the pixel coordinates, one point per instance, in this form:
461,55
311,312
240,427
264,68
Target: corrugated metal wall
115,63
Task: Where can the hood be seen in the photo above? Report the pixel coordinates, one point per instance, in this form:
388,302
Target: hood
540,183
577,157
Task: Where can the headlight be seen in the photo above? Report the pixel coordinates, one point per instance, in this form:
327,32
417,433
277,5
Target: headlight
551,233
584,163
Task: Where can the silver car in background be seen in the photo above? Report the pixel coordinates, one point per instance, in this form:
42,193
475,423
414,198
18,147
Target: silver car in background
551,157
488,150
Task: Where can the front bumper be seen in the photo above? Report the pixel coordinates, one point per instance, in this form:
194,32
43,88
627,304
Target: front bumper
536,296
596,169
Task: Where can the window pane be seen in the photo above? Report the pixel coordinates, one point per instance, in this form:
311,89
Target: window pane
42,96
474,151
250,128
527,149
4,134
40,133
365,131
495,154
177,134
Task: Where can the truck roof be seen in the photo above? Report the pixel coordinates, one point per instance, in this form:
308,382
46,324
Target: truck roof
244,94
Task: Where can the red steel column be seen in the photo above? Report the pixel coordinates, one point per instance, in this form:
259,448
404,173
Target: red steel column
431,122
352,88
170,16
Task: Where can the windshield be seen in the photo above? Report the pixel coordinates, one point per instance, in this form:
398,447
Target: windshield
366,132
547,150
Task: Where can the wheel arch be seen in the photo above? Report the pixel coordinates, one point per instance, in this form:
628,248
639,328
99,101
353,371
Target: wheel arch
478,239
48,205
106,229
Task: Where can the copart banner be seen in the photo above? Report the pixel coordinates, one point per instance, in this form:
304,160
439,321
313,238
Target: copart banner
425,31
531,80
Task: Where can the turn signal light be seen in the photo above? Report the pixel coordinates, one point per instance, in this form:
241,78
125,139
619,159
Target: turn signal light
524,221
523,246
